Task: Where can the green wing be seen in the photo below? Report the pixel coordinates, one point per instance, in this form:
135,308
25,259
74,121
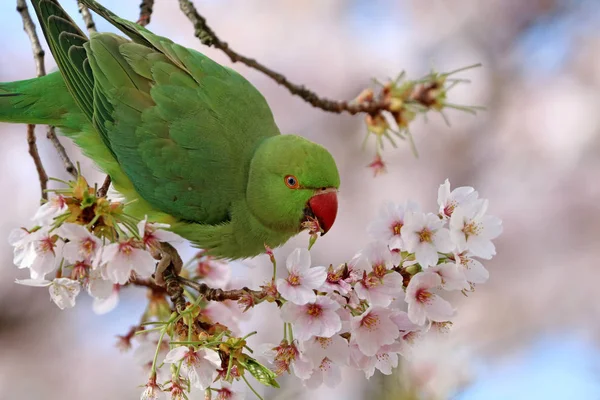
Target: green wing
182,127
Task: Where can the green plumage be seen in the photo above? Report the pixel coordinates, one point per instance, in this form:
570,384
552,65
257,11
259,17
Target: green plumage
192,141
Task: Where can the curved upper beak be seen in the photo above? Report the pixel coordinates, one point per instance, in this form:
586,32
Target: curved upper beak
323,206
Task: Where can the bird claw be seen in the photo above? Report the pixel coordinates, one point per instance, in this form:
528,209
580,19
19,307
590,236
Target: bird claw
168,257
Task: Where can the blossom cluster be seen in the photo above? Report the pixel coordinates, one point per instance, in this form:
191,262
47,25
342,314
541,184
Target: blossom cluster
399,101
363,314
353,315
85,242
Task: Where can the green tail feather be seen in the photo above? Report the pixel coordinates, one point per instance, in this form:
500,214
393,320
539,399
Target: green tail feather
42,100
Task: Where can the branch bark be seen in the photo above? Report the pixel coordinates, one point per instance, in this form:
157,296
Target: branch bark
87,17
38,56
146,8
208,37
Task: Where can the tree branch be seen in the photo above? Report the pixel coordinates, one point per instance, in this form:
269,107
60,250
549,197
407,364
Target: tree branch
146,8
62,152
87,17
33,152
104,188
208,37
211,294
38,55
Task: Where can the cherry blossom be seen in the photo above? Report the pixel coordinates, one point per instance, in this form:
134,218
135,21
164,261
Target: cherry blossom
472,230
424,235
153,234
82,245
473,270
286,355
55,206
63,291
448,201
200,365
40,251
379,291
152,391
338,279
327,356
226,392
453,277
102,306
299,286
123,257
313,319
387,227
373,329
423,303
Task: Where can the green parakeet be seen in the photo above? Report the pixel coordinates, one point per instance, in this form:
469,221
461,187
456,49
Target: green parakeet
193,142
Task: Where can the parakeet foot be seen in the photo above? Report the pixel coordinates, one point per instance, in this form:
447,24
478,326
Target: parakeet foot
167,256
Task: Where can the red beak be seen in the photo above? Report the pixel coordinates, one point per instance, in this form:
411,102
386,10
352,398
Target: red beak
324,206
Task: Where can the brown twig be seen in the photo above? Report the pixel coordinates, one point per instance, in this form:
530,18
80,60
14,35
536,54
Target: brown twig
33,152
104,188
211,294
146,7
38,55
62,152
87,17
147,283
208,37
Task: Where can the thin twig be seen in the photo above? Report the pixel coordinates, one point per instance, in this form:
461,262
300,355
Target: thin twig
29,27
33,151
38,56
208,37
104,188
147,283
146,8
211,294
87,17
62,152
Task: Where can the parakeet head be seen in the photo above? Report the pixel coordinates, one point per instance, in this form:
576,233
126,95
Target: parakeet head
292,179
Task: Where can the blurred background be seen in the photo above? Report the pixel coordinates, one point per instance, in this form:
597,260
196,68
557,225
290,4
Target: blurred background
531,332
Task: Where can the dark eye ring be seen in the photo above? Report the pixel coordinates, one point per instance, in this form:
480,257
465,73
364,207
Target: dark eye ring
292,182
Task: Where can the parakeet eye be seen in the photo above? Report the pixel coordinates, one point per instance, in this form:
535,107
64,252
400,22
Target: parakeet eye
291,182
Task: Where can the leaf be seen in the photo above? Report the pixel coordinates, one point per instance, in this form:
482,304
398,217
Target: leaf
261,373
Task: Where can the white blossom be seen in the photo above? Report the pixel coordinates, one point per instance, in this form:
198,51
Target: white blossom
472,230
55,206
448,201
473,270
82,245
40,251
200,365
153,233
388,225
453,277
63,291
424,235
299,286
373,329
121,258
423,303
313,319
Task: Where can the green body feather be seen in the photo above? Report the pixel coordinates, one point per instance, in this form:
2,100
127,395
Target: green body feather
193,142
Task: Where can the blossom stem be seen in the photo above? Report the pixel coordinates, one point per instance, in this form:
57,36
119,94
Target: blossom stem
160,339
251,388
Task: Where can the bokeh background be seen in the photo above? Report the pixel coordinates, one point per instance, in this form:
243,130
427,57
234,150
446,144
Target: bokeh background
530,333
